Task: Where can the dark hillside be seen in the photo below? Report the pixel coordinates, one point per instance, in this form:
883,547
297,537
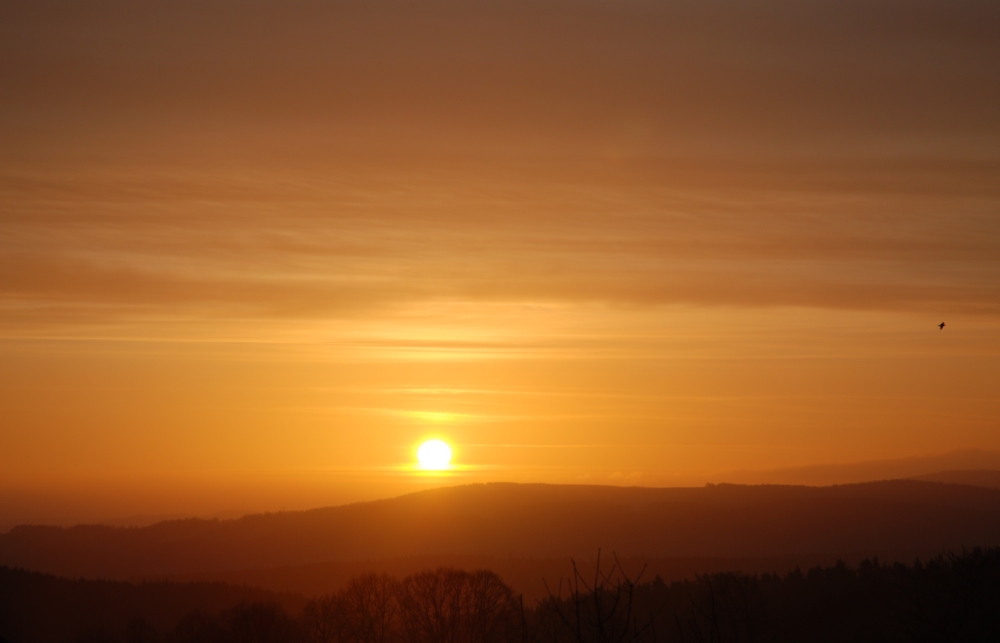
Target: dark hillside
41,607
528,576
893,519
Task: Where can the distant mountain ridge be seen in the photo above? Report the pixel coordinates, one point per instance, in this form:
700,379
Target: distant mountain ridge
901,518
919,467
988,478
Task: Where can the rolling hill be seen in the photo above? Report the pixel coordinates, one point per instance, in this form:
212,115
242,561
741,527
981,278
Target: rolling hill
898,519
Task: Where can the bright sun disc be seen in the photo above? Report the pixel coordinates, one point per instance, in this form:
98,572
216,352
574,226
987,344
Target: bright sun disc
434,455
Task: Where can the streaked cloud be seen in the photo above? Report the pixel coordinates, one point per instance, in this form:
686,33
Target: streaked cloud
290,237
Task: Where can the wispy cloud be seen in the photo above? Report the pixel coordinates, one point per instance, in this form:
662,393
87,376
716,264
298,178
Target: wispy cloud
582,236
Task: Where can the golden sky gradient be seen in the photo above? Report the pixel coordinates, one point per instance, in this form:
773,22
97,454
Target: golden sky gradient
251,254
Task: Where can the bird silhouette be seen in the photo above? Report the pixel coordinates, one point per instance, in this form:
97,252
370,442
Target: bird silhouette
941,326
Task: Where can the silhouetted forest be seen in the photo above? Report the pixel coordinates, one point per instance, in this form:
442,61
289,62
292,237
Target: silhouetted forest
954,597
44,608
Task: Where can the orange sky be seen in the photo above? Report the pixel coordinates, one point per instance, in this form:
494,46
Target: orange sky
251,255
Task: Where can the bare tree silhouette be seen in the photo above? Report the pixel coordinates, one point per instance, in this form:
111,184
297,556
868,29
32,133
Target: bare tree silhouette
600,611
370,606
323,619
260,623
452,606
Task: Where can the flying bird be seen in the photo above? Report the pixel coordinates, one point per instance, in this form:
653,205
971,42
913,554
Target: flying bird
941,326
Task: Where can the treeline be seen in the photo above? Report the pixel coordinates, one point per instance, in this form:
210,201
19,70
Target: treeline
42,608
955,597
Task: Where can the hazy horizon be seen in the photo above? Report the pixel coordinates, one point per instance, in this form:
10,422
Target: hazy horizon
207,499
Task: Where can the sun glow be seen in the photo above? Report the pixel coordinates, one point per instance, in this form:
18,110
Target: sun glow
434,455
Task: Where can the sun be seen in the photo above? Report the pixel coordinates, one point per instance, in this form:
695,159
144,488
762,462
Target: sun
434,455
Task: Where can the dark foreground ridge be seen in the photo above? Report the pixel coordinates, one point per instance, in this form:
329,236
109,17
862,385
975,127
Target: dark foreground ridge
950,598
45,608
895,520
